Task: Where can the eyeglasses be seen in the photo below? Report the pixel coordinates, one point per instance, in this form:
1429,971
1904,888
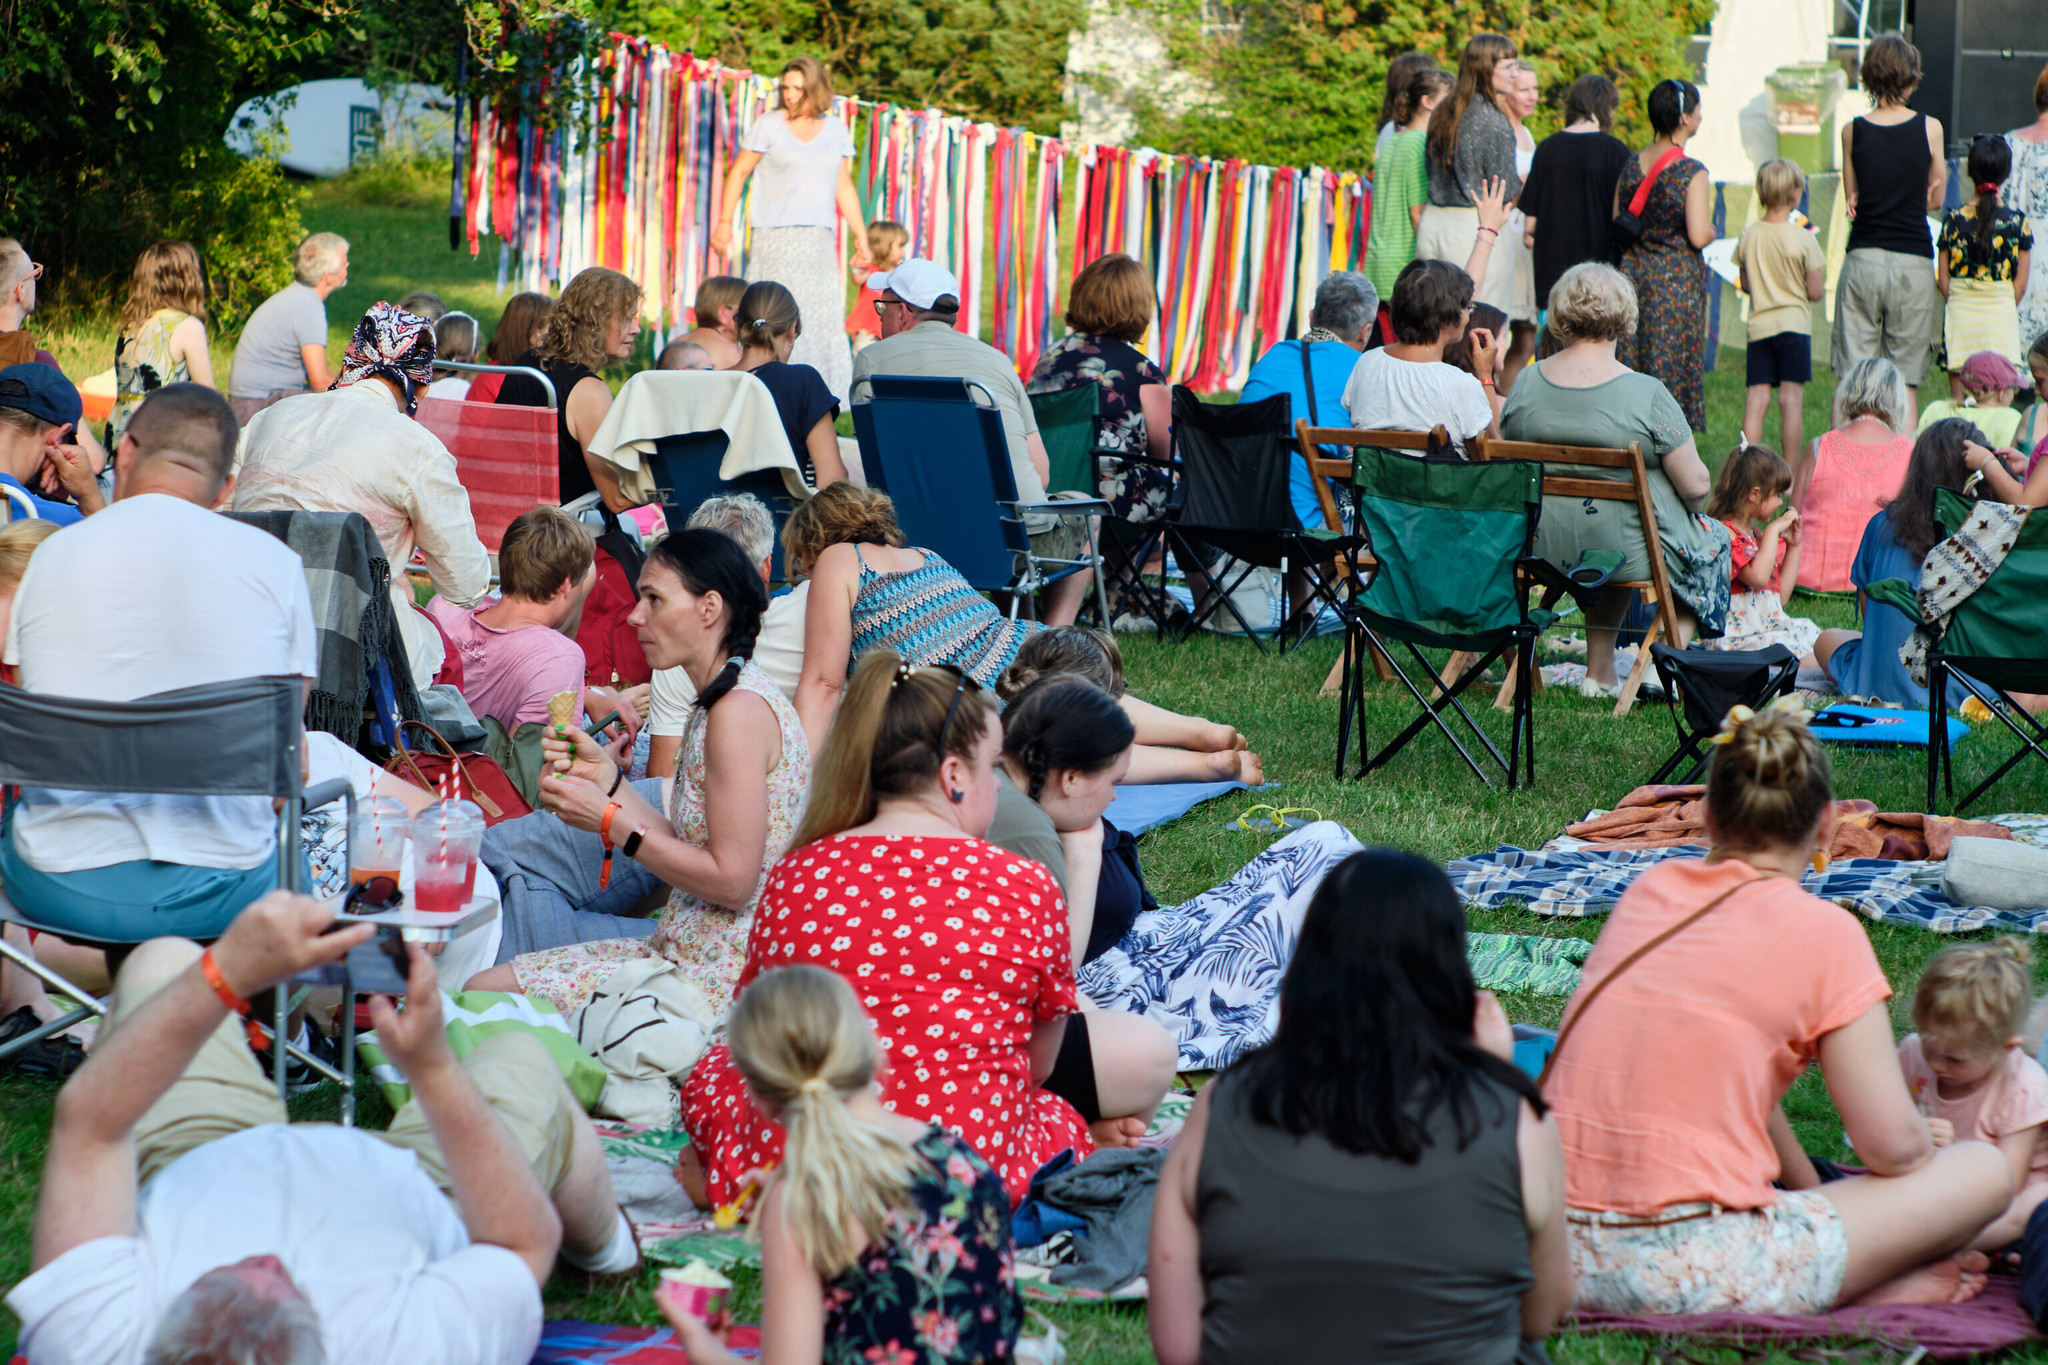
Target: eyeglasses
883,304
374,894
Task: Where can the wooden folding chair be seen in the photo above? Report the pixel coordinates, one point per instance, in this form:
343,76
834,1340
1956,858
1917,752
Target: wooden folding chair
1635,487
1321,467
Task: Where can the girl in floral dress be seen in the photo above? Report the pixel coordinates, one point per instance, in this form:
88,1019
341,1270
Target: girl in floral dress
700,608
883,1239
1747,499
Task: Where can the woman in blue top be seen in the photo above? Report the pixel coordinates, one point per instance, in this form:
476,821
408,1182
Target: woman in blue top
1866,663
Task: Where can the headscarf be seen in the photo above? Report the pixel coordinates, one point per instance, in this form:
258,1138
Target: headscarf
395,344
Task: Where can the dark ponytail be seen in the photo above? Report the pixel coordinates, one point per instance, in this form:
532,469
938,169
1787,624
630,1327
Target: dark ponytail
1064,723
711,561
1989,165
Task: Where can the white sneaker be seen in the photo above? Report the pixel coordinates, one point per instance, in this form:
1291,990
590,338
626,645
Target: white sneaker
1602,692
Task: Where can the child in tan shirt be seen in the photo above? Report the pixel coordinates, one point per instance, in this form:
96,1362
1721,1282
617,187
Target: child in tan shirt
1781,266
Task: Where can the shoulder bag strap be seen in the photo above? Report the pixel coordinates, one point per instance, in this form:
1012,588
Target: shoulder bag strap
1642,195
1586,1001
1308,379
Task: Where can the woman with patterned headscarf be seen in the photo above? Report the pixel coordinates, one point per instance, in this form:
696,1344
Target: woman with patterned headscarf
356,448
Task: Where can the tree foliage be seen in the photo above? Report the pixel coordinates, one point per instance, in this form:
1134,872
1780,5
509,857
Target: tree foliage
1299,82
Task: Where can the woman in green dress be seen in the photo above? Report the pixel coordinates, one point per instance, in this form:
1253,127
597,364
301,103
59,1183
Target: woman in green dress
1584,396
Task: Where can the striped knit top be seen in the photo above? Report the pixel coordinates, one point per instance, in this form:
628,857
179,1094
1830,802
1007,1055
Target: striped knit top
930,616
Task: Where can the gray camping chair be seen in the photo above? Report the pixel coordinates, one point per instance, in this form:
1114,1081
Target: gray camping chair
240,738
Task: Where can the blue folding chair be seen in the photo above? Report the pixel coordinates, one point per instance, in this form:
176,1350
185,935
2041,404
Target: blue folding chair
685,469
918,437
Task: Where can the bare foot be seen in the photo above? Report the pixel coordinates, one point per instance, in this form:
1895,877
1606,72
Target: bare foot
690,1175
1953,1279
1250,770
1123,1132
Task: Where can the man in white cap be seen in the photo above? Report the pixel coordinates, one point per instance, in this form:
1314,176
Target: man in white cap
919,310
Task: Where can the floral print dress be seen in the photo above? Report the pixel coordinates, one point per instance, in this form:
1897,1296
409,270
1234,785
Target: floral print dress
706,942
1756,616
940,1286
1138,491
1981,314
1670,277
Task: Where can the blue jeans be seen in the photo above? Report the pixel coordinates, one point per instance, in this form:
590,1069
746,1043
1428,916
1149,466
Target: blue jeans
132,902
547,874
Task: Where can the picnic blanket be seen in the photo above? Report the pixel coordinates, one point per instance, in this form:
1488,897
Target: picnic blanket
1578,882
1135,809
1533,963
1669,816
569,1342
1990,1322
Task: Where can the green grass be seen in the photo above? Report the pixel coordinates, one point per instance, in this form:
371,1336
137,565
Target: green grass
1424,800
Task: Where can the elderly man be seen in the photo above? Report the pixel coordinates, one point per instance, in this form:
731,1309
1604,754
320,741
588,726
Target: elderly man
18,277
1314,370
283,349
919,315
182,1217
356,448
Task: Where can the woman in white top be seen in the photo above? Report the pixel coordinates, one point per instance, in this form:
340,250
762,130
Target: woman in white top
805,157
1522,94
2027,191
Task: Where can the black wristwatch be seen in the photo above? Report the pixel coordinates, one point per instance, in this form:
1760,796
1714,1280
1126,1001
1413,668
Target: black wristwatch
632,844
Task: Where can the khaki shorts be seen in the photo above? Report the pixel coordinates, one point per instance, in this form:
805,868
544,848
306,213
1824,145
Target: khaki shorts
1886,305
1787,1257
224,1091
1067,539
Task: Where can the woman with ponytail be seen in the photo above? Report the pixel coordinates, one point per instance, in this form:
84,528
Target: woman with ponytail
739,788
959,950
769,325
882,1237
1715,984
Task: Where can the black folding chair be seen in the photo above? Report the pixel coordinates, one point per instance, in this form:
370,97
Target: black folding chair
239,738
1705,684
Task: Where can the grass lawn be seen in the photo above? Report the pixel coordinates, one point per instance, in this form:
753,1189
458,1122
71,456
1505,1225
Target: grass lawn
1425,800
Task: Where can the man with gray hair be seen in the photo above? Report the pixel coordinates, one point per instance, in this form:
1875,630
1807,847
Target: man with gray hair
18,277
778,649
1313,371
283,348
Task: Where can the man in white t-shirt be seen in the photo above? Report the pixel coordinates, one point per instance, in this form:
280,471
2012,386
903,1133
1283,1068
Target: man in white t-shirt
1407,386
181,1217
778,648
156,592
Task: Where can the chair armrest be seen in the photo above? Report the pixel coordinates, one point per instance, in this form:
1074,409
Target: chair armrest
1896,593
1068,507
320,793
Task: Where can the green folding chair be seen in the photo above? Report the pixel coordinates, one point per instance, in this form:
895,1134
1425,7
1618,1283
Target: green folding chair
1995,643
1452,542
1070,426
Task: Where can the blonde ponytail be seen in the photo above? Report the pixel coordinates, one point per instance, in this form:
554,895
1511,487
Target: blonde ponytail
799,1037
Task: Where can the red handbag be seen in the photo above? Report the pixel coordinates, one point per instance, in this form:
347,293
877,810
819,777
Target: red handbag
465,777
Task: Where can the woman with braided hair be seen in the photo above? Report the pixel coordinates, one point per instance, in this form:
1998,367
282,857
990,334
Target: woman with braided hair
739,787
1208,971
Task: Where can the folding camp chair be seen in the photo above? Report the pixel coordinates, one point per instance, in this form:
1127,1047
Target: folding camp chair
1069,426
239,738
685,470
506,455
17,505
1232,462
1994,643
1704,684
918,441
1453,543
1560,479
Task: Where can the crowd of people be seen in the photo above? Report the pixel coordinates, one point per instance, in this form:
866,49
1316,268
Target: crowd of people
853,834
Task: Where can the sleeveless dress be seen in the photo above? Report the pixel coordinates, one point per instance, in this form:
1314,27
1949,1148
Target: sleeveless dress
930,615
143,364
706,942
1851,484
1671,290
957,949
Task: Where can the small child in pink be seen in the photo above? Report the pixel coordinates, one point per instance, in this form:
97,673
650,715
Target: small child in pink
1968,1074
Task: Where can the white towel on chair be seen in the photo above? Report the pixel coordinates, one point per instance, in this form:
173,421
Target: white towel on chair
658,403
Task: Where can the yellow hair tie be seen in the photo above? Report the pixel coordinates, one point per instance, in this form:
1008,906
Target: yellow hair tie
1737,714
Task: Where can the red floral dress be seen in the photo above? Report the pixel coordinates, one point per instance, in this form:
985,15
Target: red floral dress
958,949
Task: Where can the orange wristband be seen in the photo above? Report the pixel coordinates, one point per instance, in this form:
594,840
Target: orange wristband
604,832
210,969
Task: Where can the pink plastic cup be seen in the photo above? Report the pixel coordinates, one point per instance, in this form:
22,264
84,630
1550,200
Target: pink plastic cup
700,1301
445,843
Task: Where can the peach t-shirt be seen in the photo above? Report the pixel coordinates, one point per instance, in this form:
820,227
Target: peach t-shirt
1663,1094
2013,1099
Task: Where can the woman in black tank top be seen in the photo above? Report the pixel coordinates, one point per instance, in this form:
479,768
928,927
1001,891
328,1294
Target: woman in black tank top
1379,1183
594,324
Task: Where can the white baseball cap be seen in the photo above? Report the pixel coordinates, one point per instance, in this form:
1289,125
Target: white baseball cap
918,283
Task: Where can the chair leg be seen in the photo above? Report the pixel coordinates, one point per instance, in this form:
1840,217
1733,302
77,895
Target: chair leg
1654,635
1095,566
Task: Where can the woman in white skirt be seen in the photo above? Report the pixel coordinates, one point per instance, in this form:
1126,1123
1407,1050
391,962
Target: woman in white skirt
805,158
1470,143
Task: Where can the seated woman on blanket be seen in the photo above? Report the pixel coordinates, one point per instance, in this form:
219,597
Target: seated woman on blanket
1378,1182
1584,396
1170,747
1728,981
1205,971
738,791
960,951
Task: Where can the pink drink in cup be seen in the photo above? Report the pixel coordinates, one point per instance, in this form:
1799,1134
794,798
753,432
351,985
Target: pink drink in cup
445,842
696,1290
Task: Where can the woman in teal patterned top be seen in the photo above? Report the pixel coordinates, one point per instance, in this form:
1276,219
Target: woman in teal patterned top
868,591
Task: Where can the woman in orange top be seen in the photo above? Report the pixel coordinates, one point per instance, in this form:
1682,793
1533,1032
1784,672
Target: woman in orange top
1668,1097
1850,474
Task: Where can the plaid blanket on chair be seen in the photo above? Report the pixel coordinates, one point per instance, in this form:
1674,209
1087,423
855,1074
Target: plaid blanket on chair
349,580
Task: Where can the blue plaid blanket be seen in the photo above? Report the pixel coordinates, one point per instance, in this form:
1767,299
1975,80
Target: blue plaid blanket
1576,883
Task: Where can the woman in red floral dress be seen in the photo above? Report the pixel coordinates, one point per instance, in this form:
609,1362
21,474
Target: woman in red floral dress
959,950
